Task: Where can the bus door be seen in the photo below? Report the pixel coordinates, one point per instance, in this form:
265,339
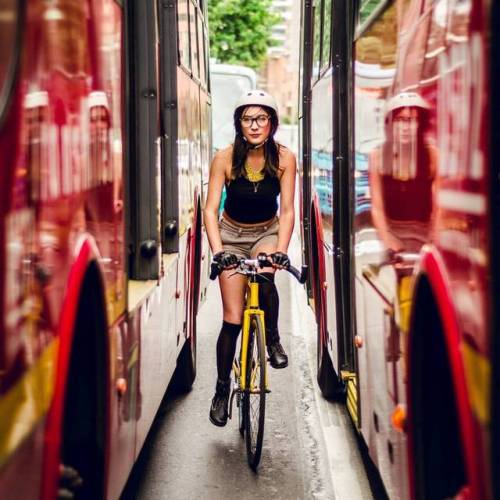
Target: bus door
341,61
324,175
329,174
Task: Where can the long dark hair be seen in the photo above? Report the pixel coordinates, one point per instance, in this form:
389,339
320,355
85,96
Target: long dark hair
241,146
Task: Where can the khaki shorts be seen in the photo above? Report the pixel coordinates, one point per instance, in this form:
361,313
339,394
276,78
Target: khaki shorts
243,241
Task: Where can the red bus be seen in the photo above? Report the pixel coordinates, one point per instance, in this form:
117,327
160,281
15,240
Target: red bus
400,202
104,146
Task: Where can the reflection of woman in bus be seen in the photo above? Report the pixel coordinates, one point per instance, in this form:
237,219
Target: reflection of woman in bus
254,170
402,175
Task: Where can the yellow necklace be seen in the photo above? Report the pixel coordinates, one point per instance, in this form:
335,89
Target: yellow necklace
254,176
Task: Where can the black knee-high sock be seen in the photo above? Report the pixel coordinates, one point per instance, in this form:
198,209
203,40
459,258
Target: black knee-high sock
226,347
270,302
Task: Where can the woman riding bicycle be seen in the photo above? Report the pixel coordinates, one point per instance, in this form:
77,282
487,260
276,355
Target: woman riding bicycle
255,170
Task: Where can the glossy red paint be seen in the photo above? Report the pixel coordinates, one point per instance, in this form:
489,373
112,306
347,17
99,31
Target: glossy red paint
319,276
417,109
432,267
87,252
62,139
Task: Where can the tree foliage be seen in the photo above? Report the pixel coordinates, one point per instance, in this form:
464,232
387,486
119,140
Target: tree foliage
240,31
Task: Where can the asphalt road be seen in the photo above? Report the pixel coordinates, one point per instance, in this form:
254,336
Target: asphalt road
310,449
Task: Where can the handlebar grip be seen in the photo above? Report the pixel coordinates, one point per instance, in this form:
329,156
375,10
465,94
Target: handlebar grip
300,276
303,274
215,270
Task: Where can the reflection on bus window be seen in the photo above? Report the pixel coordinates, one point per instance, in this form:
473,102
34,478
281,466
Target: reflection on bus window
8,20
183,20
317,40
374,69
194,40
327,23
403,169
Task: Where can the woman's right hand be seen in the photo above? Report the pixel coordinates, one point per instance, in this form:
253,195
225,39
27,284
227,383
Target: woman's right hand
226,260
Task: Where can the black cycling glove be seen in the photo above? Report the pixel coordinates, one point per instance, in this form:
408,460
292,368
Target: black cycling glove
225,259
280,259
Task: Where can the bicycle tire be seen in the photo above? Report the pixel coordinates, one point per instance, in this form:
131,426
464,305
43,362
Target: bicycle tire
240,396
254,398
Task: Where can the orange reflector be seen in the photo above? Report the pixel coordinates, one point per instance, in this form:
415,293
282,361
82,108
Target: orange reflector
358,341
121,386
398,418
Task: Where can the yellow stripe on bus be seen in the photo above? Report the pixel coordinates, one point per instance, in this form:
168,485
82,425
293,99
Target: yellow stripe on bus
478,376
23,406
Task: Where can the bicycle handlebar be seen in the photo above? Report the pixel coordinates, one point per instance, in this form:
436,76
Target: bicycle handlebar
261,262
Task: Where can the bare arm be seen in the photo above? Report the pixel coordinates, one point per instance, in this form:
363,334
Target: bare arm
211,212
287,208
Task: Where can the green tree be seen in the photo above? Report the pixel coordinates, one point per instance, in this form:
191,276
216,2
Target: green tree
240,31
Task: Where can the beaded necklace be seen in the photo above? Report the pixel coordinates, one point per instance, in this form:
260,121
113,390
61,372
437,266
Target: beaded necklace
254,177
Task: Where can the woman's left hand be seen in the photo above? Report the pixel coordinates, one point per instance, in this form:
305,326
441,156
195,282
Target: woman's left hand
280,260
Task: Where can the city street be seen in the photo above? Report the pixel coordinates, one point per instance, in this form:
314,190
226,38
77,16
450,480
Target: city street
310,447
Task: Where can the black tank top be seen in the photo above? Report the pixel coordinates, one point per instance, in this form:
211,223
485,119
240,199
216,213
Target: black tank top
252,202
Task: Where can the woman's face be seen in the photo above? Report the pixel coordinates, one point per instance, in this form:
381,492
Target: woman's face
255,124
405,124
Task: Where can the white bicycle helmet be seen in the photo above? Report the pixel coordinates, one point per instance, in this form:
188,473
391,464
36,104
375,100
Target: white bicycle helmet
406,100
257,98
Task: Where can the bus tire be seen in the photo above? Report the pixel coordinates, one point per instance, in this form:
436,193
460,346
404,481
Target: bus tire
330,385
439,469
83,433
185,371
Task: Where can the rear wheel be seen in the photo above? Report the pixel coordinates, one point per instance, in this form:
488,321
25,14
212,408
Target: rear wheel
254,398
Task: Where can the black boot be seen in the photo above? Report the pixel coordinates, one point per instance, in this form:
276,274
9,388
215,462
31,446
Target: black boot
277,355
218,409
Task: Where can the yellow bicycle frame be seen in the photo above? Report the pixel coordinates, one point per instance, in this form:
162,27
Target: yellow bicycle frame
251,309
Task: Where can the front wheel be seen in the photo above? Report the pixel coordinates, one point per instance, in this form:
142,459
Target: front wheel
254,398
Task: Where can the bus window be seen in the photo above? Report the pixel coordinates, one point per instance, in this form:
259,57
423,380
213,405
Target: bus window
8,20
183,42
316,40
194,41
367,9
64,50
201,49
435,42
327,24
206,45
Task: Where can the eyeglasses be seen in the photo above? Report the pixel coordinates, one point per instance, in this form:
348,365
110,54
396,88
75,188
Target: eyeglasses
247,121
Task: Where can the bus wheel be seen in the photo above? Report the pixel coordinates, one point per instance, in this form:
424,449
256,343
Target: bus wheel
185,371
328,381
437,451
81,470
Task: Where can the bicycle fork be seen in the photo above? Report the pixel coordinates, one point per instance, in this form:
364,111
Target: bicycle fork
251,309
240,369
